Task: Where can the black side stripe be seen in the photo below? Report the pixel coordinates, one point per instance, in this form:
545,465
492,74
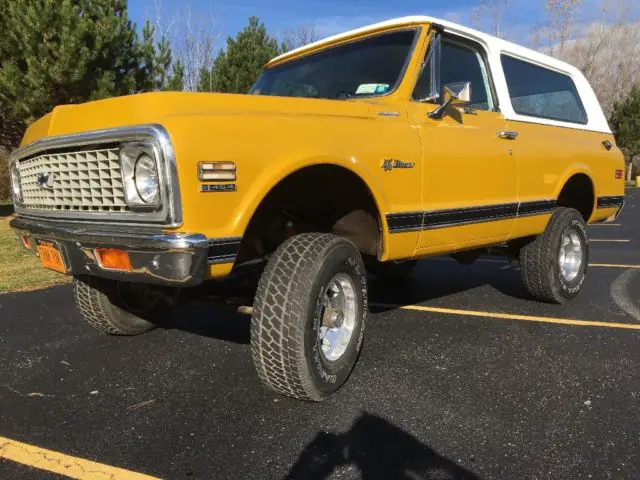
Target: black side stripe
461,216
409,222
608,202
223,250
405,222
536,208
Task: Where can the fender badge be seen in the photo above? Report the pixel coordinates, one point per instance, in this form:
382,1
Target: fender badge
231,187
390,164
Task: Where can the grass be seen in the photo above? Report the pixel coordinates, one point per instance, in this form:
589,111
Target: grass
20,269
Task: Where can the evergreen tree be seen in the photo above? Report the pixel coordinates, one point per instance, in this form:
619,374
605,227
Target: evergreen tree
55,52
625,123
155,59
237,68
175,82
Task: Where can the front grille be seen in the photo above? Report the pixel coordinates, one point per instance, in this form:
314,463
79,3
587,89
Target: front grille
88,180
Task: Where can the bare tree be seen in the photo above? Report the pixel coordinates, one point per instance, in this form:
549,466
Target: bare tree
193,39
561,17
602,42
494,11
607,52
298,37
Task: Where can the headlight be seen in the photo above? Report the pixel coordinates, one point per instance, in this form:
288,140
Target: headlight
146,179
16,188
140,175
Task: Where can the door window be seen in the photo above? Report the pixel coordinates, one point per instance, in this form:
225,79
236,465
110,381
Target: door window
458,63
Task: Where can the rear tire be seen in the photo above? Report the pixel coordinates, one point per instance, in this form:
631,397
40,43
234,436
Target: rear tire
303,344
102,304
554,265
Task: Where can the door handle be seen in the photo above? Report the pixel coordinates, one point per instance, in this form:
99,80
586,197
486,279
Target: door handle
508,135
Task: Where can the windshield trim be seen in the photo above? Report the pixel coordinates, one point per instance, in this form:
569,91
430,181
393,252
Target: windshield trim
401,76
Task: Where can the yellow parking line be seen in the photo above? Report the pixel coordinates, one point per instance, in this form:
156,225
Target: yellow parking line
606,240
510,316
607,265
506,263
72,467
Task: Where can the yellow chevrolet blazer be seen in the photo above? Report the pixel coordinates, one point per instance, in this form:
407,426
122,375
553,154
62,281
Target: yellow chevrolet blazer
365,151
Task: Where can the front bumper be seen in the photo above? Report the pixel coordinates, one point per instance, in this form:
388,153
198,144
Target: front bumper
172,259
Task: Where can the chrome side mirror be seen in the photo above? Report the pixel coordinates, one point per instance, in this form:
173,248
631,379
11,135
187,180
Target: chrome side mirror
454,94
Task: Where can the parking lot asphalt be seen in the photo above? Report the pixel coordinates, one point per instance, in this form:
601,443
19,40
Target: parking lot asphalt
446,392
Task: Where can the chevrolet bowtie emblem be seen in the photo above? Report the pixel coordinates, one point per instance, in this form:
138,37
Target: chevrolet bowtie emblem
45,179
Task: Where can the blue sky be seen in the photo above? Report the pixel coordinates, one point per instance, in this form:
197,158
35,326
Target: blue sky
333,16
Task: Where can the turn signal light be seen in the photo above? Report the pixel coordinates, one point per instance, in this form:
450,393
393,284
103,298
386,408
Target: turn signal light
113,259
217,171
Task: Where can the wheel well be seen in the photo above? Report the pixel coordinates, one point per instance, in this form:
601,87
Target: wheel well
578,193
319,198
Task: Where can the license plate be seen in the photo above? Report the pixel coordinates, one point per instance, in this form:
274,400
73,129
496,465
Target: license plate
50,256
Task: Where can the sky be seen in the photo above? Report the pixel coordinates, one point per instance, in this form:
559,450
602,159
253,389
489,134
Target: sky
329,17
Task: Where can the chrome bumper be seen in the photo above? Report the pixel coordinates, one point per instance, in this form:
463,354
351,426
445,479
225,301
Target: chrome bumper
158,258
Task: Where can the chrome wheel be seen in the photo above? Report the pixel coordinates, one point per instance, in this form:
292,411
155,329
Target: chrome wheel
571,255
338,317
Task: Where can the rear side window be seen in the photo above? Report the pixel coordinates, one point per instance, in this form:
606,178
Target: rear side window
538,92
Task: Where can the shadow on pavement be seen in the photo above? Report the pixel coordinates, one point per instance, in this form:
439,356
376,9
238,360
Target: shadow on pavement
210,320
379,450
432,280
440,278
6,210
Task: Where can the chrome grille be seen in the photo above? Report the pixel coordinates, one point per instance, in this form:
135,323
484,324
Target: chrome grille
88,180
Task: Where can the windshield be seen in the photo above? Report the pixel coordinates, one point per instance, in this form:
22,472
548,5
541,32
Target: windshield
372,66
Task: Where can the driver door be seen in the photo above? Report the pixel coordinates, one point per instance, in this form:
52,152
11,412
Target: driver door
470,170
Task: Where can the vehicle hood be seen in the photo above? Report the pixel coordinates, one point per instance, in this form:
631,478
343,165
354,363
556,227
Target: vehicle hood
150,108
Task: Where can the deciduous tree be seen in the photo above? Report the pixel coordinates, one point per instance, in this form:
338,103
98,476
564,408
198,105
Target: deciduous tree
606,50
193,39
561,16
298,37
493,11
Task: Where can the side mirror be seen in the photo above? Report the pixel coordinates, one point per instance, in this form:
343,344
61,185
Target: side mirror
454,94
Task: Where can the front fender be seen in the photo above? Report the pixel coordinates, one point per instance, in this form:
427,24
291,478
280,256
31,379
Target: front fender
271,177
268,148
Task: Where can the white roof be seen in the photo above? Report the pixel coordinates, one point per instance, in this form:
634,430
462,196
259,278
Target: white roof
495,47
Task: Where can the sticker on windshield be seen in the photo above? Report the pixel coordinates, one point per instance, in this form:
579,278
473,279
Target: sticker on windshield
372,88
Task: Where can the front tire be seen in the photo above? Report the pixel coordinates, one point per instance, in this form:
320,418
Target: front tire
309,316
554,265
117,308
